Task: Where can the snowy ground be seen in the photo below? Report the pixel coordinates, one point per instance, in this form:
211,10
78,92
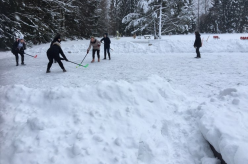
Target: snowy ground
150,104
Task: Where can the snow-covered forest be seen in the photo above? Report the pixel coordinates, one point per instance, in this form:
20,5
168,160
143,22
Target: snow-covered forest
40,20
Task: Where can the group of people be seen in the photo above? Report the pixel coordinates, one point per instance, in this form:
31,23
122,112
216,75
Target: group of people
53,53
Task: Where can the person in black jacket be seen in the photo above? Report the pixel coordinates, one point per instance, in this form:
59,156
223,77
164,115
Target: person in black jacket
106,45
198,44
55,39
53,54
18,48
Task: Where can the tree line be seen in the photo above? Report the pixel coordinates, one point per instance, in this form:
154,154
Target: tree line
40,20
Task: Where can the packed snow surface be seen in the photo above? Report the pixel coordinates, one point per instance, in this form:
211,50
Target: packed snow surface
153,102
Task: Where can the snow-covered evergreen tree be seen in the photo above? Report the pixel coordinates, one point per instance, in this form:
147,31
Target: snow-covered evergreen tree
226,16
176,17
40,20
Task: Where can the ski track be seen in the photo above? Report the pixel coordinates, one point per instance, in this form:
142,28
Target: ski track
113,125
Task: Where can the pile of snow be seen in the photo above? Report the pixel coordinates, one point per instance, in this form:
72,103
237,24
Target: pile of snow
114,122
211,46
224,124
168,44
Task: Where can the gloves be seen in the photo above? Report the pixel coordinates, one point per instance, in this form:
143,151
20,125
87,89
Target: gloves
87,51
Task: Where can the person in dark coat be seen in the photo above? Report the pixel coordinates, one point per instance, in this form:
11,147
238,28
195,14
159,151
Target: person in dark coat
55,39
53,54
18,48
106,45
198,44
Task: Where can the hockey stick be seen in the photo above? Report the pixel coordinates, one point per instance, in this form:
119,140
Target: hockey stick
31,55
85,66
109,47
208,37
82,61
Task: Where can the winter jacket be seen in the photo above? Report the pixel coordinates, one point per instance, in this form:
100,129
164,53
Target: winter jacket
55,50
198,42
95,44
106,42
15,49
52,43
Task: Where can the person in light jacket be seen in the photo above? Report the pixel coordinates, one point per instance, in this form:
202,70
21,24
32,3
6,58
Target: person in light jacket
96,48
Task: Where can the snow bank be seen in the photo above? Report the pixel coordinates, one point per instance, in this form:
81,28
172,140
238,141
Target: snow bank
145,122
168,44
224,124
211,46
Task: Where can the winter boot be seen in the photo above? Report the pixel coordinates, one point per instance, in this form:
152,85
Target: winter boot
109,56
22,61
17,63
64,70
93,60
48,71
98,59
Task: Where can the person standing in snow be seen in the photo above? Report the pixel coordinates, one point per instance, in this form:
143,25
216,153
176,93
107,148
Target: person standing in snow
198,44
18,48
55,40
53,54
96,48
106,45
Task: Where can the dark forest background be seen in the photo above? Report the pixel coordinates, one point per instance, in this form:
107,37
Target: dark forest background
40,20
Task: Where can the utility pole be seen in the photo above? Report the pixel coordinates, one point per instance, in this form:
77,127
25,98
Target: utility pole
205,7
198,16
160,20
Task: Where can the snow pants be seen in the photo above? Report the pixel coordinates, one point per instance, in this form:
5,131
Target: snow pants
198,52
17,57
52,57
106,49
93,53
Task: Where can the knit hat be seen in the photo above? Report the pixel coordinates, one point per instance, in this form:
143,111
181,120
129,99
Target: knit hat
92,37
21,38
57,37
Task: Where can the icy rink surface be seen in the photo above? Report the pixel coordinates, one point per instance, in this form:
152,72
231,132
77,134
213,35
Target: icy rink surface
150,104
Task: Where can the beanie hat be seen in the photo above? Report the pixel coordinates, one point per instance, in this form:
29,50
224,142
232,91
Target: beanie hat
57,37
92,37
